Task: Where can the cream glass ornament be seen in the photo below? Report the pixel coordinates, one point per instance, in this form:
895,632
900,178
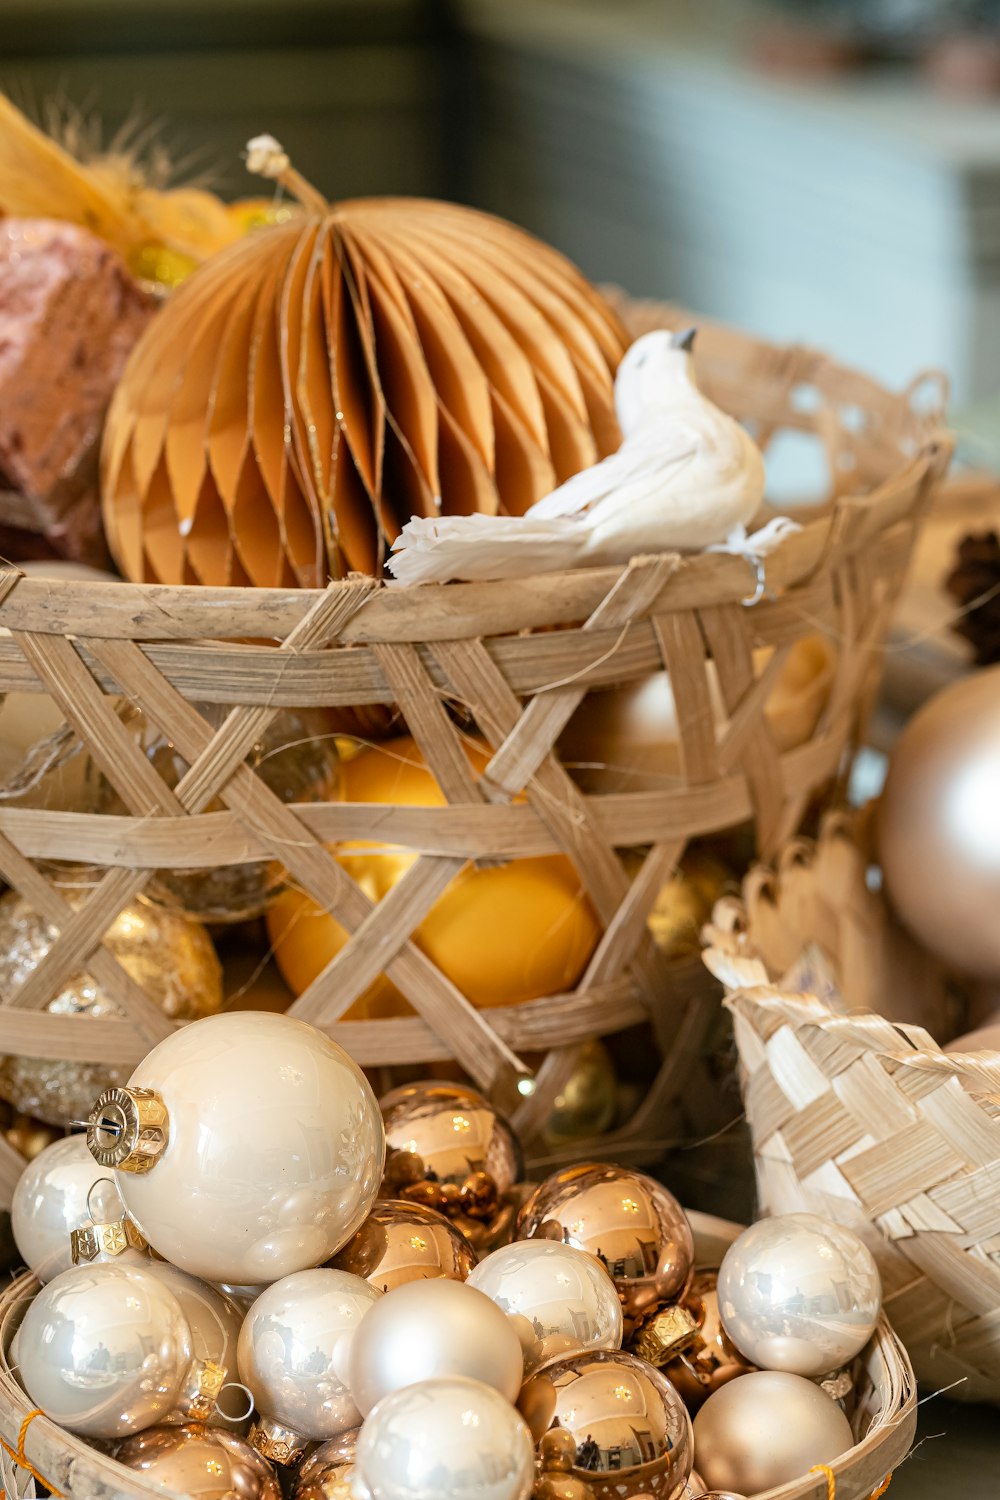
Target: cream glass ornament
767,1429
450,1438
248,1146
428,1329
105,1350
55,1194
293,1356
559,1299
203,1463
632,1433
799,1293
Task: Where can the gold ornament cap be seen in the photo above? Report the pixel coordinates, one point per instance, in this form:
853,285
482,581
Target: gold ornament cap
276,1442
201,1389
112,1238
664,1335
128,1129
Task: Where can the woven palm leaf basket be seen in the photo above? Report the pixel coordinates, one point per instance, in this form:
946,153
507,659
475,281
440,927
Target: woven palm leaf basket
883,1418
860,1116
517,658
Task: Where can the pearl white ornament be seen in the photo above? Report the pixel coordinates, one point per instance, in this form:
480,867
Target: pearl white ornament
293,1350
799,1293
105,1350
559,1299
454,1439
269,1156
766,1429
51,1200
428,1329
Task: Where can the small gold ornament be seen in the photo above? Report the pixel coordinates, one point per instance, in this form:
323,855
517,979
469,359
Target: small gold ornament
586,1105
25,1133
326,1473
556,1458
172,959
405,1241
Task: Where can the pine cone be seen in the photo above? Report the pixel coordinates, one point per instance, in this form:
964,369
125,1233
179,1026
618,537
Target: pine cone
976,577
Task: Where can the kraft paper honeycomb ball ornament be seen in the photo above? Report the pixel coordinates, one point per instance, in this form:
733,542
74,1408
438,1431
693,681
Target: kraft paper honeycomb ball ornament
315,385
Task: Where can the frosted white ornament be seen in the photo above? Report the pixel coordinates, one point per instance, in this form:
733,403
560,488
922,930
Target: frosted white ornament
247,1146
51,1200
105,1350
455,1439
560,1300
799,1293
293,1356
430,1329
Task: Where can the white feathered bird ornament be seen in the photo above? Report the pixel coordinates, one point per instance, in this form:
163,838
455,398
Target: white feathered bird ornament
686,477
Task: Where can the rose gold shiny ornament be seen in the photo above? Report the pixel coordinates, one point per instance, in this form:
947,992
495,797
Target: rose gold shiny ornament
939,825
628,1220
205,1463
711,1359
322,1475
400,1242
631,1433
451,1150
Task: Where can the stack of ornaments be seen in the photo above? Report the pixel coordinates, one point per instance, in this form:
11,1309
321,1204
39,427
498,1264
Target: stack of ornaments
422,1323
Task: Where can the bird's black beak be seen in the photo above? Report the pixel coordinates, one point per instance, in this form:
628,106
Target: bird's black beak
684,340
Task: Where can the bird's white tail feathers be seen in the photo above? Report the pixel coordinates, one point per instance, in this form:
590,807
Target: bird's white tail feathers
435,550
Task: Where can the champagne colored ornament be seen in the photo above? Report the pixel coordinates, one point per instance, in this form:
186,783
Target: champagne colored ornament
401,1242
205,1463
172,959
428,1329
630,1429
629,1221
560,1300
293,1357
710,1359
247,1146
588,1101
451,1149
322,1475
799,1293
106,1351
54,1195
939,825
503,935
765,1430
455,1439
308,391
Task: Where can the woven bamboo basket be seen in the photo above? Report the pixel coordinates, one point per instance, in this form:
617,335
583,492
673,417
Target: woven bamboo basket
518,657
883,1420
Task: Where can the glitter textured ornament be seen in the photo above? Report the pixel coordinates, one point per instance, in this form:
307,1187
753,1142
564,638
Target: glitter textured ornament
767,1429
401,1242
54,1195
631,1431
710,1359
292,1355
172,959
559,1299
428,1329
205,1463
452,1439
629,1221
799,1293
105,1350
247,1146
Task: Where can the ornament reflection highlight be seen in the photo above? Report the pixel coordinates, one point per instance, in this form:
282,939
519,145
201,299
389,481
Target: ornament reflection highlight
560,1300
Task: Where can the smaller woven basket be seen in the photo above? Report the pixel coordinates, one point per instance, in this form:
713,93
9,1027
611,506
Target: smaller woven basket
860,1116
883,1421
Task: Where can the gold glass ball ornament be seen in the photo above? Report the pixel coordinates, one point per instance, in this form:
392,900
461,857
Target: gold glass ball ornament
400,1242
206,1463
323,1473
628,1220
311,388
629,1428
588,1101
173,959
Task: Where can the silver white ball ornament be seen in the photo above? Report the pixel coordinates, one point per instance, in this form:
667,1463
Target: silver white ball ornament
430,1329
559,1299
799,1293
766,1429
50,1200
450,1438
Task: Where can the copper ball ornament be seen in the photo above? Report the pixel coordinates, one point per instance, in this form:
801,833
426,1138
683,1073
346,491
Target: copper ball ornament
939,825
631,1432
400,1242
206,1463
711,1358
628,1220
323,1473
765,1430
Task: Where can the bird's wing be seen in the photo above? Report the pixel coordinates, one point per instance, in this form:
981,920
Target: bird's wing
650,456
